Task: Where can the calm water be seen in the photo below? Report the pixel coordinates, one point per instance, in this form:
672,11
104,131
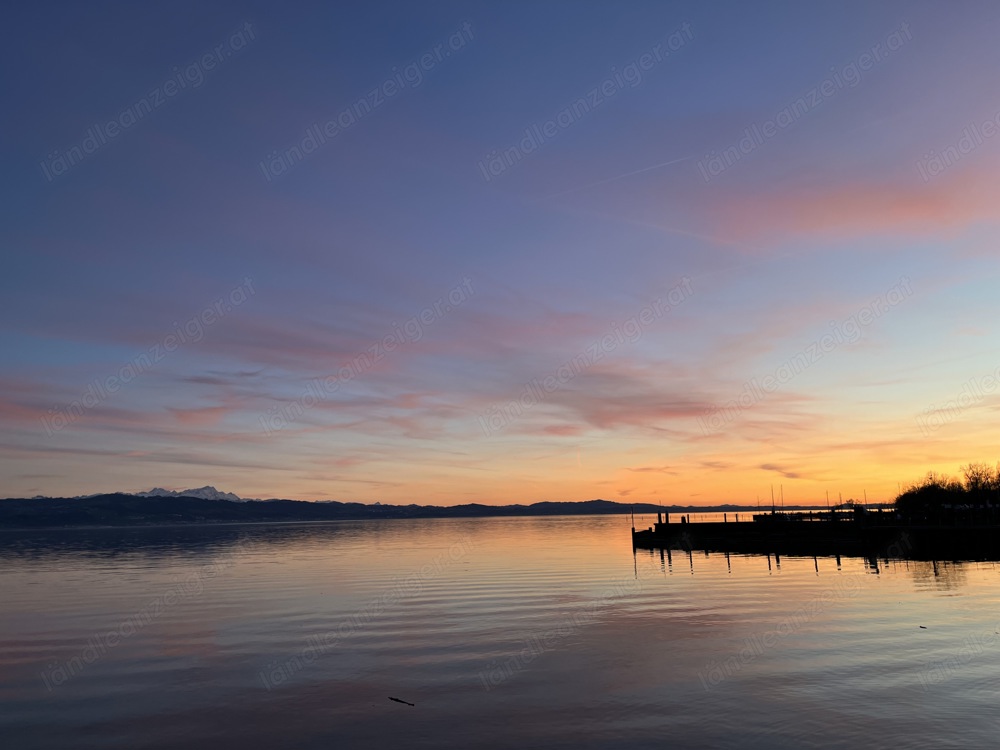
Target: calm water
502,632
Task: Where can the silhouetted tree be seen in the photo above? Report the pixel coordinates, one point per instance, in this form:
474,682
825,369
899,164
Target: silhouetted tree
979,478
931,494
935,492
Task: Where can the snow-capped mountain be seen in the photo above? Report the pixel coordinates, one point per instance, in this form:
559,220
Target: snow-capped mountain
205,493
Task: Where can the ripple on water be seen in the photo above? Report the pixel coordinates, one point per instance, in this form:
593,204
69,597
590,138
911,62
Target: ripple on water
502,631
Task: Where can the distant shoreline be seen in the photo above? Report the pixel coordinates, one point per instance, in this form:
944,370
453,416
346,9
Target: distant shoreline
219,524
114,511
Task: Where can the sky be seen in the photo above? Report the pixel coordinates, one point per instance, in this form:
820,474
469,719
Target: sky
397,252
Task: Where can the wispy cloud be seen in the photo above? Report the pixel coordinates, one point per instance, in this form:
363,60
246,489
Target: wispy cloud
787,473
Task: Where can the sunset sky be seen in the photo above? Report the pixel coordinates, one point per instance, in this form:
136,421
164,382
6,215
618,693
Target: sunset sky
317,251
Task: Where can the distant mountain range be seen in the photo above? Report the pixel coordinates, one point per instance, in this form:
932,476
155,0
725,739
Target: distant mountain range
209,505
205,493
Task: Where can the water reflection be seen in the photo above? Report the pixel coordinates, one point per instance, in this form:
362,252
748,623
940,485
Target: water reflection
204,543
539,632
159,542
942,575
936,575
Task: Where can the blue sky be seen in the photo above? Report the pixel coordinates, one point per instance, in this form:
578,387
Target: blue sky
313,260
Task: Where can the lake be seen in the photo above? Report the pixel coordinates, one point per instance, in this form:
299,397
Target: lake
512,632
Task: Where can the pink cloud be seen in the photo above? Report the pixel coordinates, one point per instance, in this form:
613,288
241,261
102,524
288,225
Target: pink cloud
562,430
203,416
15,412
653,470
911,207
627,396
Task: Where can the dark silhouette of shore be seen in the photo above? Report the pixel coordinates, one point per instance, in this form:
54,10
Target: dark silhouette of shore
938,517
130,510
